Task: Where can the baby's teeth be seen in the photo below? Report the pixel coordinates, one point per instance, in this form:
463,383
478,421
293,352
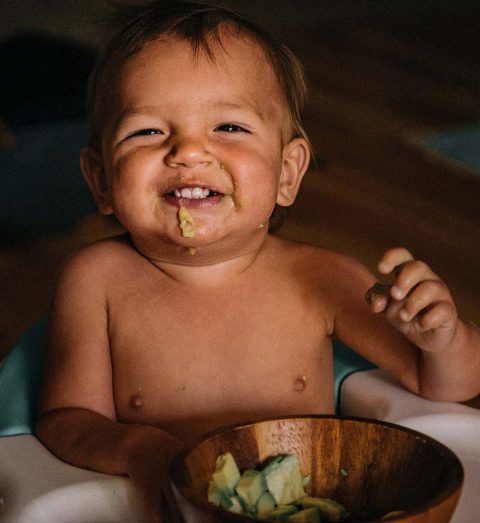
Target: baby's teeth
195,193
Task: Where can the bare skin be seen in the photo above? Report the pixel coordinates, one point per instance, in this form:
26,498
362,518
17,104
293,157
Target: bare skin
151,346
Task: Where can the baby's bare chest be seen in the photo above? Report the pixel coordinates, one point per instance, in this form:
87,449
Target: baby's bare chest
211,359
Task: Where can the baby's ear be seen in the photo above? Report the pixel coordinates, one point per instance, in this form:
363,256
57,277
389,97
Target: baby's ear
94,174
296,158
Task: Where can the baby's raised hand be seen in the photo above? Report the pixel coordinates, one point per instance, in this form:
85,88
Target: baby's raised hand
418,303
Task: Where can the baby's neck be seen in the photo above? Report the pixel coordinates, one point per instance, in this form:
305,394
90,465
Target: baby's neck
198,270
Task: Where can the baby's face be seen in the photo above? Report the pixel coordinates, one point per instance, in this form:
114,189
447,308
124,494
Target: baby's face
208,136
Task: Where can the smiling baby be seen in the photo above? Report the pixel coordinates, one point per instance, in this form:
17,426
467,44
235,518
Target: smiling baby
196,138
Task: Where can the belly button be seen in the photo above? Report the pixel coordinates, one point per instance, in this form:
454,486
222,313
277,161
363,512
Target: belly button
300,384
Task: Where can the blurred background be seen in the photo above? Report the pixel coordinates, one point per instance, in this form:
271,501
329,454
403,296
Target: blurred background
394,117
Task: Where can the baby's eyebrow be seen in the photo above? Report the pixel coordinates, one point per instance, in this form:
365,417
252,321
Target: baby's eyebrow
130,113
232,106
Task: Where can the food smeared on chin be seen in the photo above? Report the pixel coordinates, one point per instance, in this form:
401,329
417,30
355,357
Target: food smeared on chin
187,224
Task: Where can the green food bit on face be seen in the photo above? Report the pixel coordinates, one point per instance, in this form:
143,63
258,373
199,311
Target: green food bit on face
187,225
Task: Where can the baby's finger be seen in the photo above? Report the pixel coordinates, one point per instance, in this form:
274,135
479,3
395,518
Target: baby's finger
437,316
393,259
412,273
378,296
424,295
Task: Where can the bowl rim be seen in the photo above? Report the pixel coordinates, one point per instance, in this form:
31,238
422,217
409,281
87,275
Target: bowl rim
455,484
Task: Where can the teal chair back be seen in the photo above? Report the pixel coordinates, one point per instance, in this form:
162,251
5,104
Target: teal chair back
20,379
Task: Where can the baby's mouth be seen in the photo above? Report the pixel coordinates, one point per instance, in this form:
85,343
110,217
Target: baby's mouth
192,196
194,193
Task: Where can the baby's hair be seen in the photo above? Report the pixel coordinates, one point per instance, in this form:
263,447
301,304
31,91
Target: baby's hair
198,24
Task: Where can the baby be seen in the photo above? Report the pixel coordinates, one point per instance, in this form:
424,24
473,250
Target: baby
198,317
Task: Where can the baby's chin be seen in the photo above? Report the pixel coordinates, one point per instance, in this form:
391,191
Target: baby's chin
203,241
214,244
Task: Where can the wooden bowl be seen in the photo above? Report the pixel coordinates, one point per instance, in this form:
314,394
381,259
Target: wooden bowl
368,466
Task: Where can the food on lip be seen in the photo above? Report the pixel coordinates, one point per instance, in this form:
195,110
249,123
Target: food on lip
187,225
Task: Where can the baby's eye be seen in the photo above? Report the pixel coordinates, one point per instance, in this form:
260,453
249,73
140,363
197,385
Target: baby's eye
146,132
230,128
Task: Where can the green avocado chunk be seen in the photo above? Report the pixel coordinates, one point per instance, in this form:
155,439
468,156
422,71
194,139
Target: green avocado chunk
265,505
250,487
226,475
284,479
330,510
282,512
307,515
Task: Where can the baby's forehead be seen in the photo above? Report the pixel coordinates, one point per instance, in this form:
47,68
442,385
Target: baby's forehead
231,49
217,48
233,58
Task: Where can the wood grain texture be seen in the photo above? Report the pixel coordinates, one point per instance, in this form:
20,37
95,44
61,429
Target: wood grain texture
370,467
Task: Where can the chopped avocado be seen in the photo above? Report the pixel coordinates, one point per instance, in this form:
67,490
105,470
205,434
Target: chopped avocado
273,462
284,480
226,475
275,493
236,505
265,505
282,512
219,497
330,510
213,494
307,515
250,487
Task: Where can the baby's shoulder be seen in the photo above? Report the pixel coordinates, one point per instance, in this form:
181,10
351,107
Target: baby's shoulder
103,257
323,266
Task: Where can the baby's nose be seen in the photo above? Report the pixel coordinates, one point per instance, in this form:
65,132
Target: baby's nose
188,152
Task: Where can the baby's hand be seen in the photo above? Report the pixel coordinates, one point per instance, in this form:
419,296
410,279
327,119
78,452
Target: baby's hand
418,303
148,467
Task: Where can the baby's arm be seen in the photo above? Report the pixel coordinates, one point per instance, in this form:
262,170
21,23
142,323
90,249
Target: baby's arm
77,414
420,306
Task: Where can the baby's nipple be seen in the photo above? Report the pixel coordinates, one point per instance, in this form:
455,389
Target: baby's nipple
136,400
300,384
